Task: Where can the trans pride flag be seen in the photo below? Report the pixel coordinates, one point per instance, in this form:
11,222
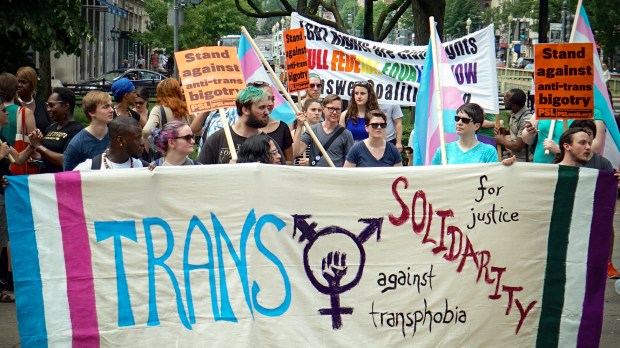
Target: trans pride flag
253,70
583,33
426,140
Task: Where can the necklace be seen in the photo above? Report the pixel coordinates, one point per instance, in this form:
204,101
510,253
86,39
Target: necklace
26,103
105,160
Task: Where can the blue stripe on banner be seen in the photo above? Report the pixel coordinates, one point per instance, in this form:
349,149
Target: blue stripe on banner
25,257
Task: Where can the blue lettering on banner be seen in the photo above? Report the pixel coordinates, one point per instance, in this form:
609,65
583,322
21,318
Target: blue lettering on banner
221,306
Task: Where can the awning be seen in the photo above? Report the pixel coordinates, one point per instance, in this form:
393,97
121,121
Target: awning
114,9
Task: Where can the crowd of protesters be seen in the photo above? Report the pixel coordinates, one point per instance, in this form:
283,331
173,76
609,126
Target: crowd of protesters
40,136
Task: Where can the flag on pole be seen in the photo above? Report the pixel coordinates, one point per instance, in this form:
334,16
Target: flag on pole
253,70
583,33
426,136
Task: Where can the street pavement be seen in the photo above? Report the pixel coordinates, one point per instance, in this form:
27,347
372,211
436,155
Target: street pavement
610,338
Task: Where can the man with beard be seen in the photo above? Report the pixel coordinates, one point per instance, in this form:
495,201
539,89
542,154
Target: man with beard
520,114
253,109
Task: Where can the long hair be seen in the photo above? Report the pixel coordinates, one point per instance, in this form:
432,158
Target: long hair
169,94
159,137
255,149
371,104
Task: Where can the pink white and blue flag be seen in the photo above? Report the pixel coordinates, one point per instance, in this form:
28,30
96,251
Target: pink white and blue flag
583,33
253,70
426,136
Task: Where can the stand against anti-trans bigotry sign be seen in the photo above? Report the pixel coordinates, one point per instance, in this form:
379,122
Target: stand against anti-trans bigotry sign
211,77
455,256
564,79
341,60
296,60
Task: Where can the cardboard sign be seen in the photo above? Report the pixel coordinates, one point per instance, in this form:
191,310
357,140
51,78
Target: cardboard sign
211,77
452,256
563,78
296,60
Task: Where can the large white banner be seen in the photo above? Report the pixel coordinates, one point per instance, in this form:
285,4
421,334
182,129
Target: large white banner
340,60
264,256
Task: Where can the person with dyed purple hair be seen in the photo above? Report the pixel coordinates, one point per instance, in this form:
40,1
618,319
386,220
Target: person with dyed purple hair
175,141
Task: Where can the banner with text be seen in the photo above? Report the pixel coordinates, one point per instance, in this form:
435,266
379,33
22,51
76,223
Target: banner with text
296,60
211,77
564,80
341,59
463,255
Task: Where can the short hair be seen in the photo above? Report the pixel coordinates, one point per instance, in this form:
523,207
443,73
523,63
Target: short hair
29,74
247,97
92,99
8,86
585,124
472,110
255,149
331,98
517,97
374,113
567,138
120,126
309,102
159,137
66,95
143,93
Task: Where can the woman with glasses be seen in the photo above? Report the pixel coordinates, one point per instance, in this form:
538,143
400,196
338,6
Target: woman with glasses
259,148
467,149
374,151
175,141
363,99
142,104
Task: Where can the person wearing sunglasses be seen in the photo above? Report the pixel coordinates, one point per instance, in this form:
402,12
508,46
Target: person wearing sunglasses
363,100
315,87
374,151
142,104
467,149
175,141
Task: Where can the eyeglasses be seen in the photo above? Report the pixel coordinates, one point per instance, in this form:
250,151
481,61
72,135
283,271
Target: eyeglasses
316,85
377,125
187,137
462,119
140,102
51,104
274,152
330,110
361,83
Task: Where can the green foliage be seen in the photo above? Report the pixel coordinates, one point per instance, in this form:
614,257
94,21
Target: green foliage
457,12
204,24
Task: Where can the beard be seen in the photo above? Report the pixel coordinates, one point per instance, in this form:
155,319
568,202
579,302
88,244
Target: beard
256,121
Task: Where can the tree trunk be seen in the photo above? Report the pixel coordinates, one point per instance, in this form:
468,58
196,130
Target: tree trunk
422,9
368,25
44,88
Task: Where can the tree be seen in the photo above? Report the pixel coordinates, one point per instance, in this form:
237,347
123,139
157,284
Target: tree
44,26
457,13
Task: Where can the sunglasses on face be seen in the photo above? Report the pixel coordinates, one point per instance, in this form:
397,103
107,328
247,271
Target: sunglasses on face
361,83
377,125
187,137
51,104
316,85
462,119
258,84
330,110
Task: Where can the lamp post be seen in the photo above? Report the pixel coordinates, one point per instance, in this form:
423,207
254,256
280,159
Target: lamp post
115,34
468,24
508,61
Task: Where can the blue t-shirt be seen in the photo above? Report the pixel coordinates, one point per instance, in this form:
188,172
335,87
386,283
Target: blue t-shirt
361,156
83,146
358,130
481,153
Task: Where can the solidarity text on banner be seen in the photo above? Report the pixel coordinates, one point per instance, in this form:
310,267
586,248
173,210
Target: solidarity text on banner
464,255
341,59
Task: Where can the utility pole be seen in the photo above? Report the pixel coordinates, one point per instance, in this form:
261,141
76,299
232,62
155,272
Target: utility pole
543,21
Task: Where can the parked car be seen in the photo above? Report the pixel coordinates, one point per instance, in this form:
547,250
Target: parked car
529,67
139,77
522,62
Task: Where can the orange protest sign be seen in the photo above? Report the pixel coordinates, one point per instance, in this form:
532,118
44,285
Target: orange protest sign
563,79
211,77
296,60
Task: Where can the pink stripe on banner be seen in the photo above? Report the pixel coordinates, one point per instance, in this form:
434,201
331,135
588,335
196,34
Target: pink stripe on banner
250,63
80,284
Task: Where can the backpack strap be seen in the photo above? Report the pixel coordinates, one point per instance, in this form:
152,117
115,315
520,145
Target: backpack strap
162,117
317,154
96,164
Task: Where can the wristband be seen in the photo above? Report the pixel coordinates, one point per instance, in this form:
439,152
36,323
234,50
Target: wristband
41,148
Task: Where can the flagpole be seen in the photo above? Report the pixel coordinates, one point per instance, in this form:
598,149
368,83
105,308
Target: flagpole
278,83
442,140
571,39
